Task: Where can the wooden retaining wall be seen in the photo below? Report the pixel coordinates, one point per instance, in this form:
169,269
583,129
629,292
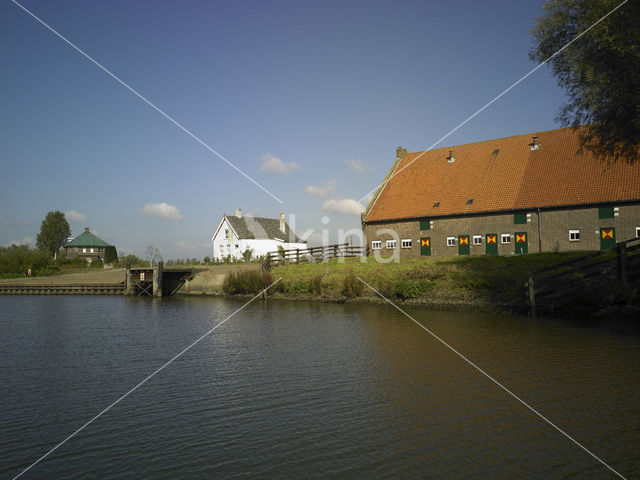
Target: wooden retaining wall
76,289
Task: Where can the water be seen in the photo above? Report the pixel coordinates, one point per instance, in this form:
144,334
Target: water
295,390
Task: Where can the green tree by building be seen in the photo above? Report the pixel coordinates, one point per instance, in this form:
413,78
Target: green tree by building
54,232
600,71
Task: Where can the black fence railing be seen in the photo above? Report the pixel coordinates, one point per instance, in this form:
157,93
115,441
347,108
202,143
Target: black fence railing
310,255
553,287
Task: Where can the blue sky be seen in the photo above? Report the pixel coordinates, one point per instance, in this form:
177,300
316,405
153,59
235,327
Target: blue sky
296,94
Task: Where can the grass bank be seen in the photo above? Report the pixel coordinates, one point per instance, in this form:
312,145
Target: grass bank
482,283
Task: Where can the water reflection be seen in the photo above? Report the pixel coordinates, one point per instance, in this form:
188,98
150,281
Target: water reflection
308,390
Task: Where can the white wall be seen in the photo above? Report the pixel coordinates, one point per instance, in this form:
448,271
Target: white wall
259,247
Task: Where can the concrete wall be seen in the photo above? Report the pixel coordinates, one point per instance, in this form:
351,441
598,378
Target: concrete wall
554,226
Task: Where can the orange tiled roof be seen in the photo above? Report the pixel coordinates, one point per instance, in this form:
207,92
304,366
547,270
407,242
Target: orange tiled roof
514,178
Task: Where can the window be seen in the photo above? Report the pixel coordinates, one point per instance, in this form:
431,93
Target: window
226,234
91,250
637,232
406,243
451,241
425,224
519,218
376,245
100,249
505,238
391,244
222,250
574,235
605,212
84,250
477,239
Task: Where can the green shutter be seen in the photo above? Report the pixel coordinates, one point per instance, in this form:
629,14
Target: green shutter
425,246
522,243
607,238
463,245
605,212
519,218
425,225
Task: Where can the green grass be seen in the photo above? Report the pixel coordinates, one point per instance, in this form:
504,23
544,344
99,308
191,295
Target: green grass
496,280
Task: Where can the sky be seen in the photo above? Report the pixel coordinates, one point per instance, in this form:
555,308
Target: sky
308,99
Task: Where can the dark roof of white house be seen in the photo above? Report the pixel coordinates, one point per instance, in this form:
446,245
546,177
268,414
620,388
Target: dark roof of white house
262,228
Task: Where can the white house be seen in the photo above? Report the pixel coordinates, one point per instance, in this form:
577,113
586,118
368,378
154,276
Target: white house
262,235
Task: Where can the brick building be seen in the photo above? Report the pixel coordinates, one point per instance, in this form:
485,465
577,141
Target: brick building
87,246
527,193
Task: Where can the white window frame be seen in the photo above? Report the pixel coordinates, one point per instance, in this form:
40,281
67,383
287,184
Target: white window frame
91,250
574,235
376,244
406,243
391,244
451,241
84,250
477,240
637,232
505,238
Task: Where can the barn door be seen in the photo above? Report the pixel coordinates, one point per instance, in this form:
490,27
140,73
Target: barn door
607,238
463,245
425,246
522,243
492,244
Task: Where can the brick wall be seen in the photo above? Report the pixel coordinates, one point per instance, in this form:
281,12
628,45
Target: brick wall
554,226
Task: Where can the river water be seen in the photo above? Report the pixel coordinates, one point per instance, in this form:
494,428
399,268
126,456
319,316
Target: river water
301,390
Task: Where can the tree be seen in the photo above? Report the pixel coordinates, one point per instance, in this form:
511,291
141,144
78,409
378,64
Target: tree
54,232
600,72
247,255
153,255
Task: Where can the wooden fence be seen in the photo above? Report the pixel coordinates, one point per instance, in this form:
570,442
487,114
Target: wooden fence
557,285
310,255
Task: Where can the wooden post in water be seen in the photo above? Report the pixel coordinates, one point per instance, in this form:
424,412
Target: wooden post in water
127,282
532,296
157,280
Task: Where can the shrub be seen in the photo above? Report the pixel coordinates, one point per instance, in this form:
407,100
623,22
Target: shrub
315,285
351,286
249,281
405,288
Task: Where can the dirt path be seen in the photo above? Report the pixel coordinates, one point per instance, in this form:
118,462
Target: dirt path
208,279
114,275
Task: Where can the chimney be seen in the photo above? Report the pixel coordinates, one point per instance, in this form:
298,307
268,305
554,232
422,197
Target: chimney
400,153
238,212
451,158
86,229
535,145
282,223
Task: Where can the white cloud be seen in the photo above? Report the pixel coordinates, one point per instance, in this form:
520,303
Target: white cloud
356,165
326,191
271,164
76,216
24,241
163,210
345,206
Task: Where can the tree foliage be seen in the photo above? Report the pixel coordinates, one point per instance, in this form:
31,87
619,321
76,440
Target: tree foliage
600,72
54,231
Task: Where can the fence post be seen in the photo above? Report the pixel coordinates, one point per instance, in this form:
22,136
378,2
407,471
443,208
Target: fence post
532,296
297,255
621,252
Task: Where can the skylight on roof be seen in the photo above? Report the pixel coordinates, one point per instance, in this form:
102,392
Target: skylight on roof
437,204
470,201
